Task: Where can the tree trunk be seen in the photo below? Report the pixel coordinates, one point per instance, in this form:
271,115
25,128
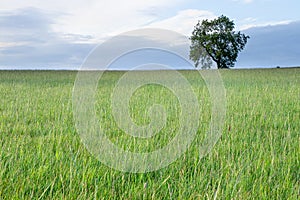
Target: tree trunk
219,65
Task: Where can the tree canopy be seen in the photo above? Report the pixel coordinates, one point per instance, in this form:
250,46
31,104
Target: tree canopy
216,40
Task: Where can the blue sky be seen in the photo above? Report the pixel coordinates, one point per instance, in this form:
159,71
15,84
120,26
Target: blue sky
59,34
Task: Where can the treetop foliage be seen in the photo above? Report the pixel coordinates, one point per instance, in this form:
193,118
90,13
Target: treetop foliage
216,40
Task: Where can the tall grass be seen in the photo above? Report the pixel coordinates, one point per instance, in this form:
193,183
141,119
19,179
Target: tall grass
257,157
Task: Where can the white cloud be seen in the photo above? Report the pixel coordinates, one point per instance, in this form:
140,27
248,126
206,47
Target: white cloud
184,21
4,45
94,17
254,24
27,41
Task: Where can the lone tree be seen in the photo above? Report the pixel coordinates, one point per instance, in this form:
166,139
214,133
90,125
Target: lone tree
216,40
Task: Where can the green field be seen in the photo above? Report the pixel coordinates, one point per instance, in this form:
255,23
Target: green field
257,157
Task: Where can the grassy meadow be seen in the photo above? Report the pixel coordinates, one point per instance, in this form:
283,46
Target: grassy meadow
257,157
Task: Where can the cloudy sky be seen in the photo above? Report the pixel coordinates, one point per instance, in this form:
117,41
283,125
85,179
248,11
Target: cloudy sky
59,34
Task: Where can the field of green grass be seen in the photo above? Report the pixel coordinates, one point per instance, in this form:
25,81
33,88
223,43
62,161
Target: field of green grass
257,157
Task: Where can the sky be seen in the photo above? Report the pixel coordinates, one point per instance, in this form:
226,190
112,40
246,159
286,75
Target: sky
60,34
